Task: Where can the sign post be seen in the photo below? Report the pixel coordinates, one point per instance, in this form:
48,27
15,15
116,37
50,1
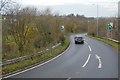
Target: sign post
62,27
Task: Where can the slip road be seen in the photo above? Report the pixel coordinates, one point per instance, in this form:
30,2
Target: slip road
98,60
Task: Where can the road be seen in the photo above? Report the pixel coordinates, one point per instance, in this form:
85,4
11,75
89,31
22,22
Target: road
94,59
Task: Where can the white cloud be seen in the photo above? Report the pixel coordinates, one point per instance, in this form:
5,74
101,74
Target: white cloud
107,5
41,2
110,4
57,2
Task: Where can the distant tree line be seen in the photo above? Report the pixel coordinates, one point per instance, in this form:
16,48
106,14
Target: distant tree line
26,29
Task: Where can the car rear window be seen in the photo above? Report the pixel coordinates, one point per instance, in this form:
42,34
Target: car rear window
80,37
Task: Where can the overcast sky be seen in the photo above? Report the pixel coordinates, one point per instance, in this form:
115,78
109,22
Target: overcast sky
107,8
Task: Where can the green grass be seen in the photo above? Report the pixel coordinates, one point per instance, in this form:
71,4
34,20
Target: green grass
25,63
112,43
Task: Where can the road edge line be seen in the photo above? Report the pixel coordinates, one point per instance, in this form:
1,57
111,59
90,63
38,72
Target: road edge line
39,64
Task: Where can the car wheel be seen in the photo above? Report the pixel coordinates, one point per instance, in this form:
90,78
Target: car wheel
83,42
75,42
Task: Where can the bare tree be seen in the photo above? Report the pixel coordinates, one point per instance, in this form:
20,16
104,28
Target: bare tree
6,5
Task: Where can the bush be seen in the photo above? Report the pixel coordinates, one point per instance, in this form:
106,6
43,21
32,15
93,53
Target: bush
62,39
93,34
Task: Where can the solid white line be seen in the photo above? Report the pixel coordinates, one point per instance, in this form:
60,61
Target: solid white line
100,63
89,47
39,64
87,60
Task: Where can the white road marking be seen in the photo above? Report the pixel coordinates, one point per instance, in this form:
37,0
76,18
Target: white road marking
89,47
99,59
87,60
68,78
86,42
39,64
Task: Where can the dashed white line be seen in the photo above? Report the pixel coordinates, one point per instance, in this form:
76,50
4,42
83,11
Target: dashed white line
89,47
86,42
97,57
87,60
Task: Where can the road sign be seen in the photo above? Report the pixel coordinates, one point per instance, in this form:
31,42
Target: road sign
110,26
62,27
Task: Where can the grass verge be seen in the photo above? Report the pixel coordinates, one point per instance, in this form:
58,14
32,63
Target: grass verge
22,65
112,43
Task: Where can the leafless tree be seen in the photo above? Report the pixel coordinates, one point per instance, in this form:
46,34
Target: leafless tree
6,5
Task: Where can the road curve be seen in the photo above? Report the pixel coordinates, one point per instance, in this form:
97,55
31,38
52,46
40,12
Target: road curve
69,65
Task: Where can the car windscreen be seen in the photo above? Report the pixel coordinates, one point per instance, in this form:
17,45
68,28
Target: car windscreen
80,37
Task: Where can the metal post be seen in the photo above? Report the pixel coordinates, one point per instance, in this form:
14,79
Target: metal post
97,18
88,25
